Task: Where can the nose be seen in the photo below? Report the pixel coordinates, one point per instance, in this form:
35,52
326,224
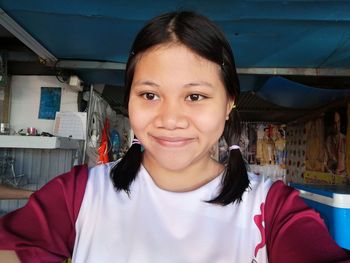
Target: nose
171,116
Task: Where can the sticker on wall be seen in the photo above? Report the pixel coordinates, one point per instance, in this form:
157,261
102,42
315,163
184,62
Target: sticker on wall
3,69
50,102
296,149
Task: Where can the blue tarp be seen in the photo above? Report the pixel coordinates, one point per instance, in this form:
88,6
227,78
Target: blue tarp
290,94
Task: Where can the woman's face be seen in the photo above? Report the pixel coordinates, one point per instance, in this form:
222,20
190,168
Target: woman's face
178,106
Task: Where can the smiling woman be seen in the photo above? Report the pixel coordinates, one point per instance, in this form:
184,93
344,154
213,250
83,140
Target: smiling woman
181,84
167,200
178,110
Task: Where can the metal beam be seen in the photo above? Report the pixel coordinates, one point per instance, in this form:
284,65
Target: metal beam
82,64
335,72
14,28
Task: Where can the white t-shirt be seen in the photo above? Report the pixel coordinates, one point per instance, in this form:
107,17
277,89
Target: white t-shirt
154,225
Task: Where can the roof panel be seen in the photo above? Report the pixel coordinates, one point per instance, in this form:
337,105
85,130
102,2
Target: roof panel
262,33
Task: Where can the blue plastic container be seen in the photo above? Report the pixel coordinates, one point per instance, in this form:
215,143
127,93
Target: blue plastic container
333,204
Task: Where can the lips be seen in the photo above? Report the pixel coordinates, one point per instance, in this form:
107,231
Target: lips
172,141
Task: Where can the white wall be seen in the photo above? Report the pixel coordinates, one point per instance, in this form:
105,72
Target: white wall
25,101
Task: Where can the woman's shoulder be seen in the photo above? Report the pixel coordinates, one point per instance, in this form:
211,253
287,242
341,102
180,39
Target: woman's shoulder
99,179
287,219
102,167
101,171
258,181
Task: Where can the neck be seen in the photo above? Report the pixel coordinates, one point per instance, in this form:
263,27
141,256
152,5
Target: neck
183,180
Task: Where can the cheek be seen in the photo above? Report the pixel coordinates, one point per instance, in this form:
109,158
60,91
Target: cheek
139,118
212,122
134,117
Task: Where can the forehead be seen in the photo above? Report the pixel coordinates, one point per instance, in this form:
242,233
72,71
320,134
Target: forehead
176,58
168,47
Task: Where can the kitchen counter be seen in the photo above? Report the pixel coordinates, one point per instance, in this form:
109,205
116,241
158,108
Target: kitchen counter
38,142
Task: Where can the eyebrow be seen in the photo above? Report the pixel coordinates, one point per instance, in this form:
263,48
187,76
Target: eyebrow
146,82
199,83
188,85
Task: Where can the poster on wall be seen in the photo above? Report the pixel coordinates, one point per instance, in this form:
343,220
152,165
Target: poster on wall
50,102
260,144
247,144
335,123
271,145
314,145
263,147
326,150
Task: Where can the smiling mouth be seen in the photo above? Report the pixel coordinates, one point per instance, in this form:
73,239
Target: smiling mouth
172,141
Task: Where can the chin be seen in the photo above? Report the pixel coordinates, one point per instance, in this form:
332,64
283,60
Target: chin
174,162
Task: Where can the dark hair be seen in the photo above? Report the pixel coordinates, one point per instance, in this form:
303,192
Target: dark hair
204,38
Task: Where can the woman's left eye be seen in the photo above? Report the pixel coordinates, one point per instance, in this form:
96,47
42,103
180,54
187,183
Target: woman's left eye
195,97
150,96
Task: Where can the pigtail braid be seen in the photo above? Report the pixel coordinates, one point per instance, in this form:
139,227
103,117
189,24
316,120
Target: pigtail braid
125,171
235,180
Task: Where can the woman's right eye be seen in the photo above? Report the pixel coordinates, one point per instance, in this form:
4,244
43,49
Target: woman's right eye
150,96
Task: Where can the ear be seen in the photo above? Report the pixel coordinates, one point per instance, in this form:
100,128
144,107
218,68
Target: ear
229,106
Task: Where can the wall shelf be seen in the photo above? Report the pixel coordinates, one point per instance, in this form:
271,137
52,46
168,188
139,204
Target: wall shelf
38,142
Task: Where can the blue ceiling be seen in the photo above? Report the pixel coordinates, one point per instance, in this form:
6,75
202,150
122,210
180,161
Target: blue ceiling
272,34
262,33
